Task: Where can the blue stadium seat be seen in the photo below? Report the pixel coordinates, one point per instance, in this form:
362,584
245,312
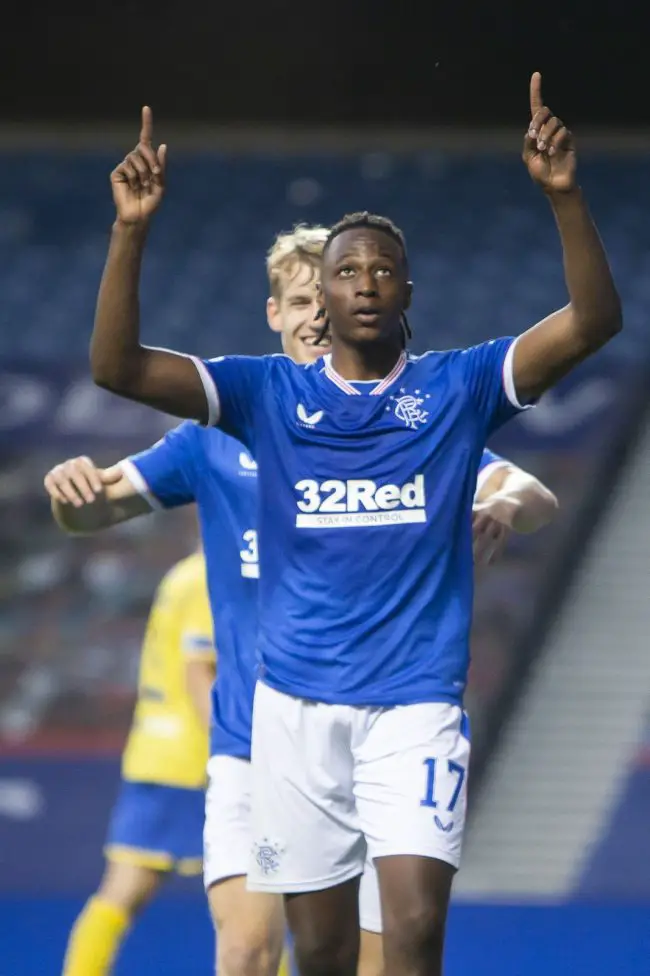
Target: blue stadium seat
484,253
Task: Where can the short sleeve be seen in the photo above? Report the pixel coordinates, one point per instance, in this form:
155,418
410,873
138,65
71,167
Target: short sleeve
488,464
162,473
197,638
488,376
234,386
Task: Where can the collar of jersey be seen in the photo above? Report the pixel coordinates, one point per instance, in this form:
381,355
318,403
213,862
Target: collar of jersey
381,387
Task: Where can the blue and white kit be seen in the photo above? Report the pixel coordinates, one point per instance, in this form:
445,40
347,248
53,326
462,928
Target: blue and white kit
366,586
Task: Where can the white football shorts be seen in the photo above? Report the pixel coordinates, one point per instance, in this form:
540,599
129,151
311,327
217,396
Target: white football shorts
335,784
227,830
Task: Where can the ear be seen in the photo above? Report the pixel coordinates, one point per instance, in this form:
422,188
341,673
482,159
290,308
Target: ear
273,315
409,295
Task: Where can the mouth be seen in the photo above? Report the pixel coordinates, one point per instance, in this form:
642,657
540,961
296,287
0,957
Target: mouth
368,315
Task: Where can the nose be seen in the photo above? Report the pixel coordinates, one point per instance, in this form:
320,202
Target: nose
366,286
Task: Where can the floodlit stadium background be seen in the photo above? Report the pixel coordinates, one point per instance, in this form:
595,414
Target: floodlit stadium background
557,872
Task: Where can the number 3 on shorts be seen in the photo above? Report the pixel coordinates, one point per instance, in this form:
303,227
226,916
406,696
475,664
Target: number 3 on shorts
454,769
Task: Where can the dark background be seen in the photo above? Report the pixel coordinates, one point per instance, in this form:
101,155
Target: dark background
330,62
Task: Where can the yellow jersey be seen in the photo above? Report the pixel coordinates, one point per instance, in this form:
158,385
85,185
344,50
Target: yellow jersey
167,743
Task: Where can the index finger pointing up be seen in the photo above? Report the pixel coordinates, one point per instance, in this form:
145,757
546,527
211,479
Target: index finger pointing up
146,131
536,102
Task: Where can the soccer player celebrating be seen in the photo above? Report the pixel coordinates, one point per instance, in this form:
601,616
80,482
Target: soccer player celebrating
87,499
359,738
359,735
157,823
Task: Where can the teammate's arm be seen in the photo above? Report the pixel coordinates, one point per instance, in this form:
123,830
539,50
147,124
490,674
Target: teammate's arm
549,350
86,499
517,499
166,380
507,500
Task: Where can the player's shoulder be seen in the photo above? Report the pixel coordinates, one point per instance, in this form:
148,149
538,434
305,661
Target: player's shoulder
432,362
182,437
282,365
459,358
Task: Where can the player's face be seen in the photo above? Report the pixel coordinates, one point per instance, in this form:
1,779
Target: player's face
293,314
365,285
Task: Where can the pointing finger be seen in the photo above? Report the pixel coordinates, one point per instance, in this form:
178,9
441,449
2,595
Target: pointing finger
146,131
536,102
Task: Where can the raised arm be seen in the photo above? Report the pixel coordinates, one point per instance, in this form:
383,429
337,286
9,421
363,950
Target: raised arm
120,363
551,349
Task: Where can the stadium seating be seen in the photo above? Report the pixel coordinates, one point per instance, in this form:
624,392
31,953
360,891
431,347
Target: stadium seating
485,258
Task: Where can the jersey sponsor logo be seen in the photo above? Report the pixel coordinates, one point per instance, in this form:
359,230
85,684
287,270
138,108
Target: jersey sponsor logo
249,555
358,501
308,419
247,464
408,409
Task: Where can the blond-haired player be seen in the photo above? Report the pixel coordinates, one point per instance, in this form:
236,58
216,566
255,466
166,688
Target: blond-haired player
250,926
157,822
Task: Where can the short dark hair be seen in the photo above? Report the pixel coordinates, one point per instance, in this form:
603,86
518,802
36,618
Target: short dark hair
373,221
363,218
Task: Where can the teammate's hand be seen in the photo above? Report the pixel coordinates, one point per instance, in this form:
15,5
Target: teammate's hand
139,181
79,482
491,528
549,153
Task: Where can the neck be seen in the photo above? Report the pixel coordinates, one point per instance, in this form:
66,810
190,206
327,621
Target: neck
370,361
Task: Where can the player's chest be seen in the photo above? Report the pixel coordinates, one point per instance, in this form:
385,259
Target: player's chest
408,427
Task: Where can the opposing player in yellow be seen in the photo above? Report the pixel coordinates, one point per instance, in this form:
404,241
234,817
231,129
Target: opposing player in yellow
157,823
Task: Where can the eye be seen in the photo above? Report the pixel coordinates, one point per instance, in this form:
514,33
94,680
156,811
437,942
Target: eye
345,272
384,272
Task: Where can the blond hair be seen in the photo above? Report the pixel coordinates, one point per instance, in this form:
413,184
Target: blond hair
304,245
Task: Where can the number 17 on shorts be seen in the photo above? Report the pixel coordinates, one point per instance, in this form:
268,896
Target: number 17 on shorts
411,785
443,815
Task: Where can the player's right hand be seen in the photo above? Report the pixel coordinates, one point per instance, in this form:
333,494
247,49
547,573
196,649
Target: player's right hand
138,183
79,482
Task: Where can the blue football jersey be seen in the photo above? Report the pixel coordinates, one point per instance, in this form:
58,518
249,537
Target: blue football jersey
192,463
366,579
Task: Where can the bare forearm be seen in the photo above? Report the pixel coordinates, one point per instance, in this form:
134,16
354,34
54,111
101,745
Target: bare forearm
115,351
535,508
162,379
595,305
86,520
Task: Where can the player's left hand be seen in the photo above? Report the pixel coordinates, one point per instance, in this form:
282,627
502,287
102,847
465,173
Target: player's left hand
549,152
491,528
